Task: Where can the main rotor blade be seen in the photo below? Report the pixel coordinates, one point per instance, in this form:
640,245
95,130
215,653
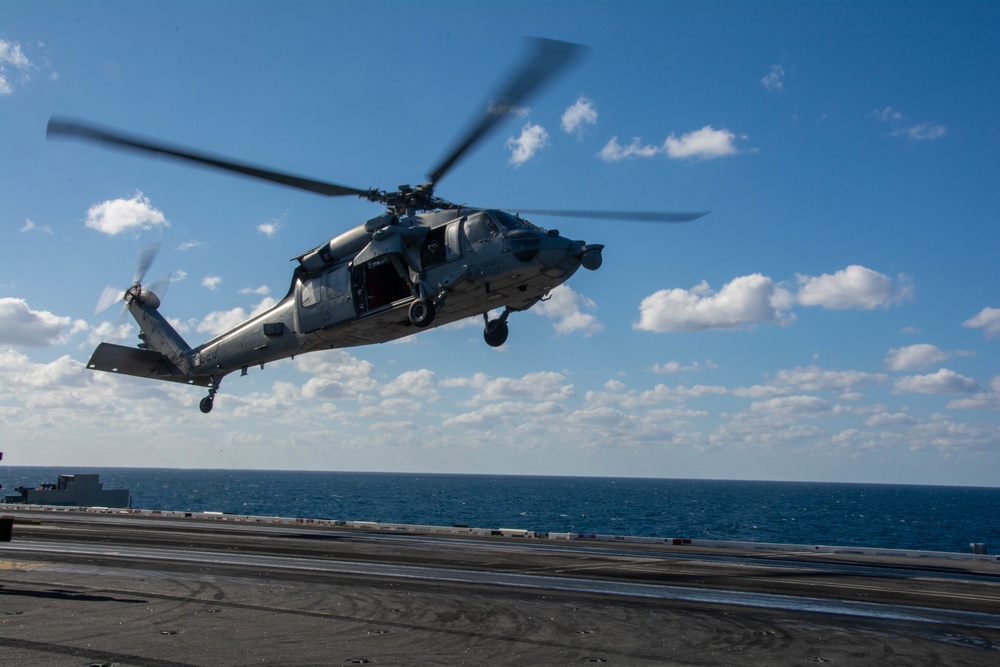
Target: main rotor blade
632,216
70,128
550,56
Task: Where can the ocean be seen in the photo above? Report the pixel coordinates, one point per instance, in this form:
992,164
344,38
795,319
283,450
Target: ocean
931,518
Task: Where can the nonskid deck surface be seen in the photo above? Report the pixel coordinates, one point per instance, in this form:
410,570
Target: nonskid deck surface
80,589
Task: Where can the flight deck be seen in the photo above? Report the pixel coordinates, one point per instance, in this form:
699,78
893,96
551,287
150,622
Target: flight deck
183,589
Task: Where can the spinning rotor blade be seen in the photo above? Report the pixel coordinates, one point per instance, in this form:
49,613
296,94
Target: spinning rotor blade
631,216
159,288
109,297
146,257
549,58
69,128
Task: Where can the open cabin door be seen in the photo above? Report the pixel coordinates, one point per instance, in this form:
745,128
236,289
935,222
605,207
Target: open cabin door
381,272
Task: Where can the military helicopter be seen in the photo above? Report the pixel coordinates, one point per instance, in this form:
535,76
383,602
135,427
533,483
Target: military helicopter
422,263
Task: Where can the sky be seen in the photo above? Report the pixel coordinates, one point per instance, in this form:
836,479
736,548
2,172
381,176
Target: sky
835,316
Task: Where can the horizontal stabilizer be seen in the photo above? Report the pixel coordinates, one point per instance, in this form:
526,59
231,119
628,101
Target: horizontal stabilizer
141,363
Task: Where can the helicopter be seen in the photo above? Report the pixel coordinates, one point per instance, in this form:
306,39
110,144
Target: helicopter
422,263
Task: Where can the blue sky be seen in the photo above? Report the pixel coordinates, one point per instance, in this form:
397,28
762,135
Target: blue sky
835,317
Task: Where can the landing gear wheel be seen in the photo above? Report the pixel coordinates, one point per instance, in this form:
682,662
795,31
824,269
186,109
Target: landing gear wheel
206,404
496,333
422,313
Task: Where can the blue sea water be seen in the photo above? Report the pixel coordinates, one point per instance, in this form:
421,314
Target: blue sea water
933,518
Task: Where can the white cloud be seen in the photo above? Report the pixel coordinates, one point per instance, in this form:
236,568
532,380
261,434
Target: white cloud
11,56
672,367
915,357
24,327
887,115
188,245
615,152
792,406
921,131
271,227
904,127
704,144
532,139
742,303
943,381
814,378
417,384
774,81
988,319
579,114
539,386
263,290
211,282
30,226
853,287
889,419
115,216
221,321
567,308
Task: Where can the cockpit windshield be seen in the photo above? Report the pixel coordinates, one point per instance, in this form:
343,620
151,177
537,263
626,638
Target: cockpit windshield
511,222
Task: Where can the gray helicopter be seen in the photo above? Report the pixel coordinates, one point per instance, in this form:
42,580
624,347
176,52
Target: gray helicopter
423,263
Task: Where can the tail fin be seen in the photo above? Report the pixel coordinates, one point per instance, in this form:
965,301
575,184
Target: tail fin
157,334
162,354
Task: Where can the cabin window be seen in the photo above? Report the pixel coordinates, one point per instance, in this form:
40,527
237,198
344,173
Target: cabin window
311,291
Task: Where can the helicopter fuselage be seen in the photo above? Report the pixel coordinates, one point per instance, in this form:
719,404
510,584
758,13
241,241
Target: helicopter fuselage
385,279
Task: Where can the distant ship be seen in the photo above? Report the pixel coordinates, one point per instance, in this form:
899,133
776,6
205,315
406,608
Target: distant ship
74,491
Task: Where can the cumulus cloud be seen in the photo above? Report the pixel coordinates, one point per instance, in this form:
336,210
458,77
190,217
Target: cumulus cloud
540,386
568,310
944,381
742,303
419,384
24,327
578,115
615,152
774,81
263,290
704,144
13,65
792,406
271,227
988,320
672,367
532,139
221,321
115,216
915,357
211,282
853,287
814,378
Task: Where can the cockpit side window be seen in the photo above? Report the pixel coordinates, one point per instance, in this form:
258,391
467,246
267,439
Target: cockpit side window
481,228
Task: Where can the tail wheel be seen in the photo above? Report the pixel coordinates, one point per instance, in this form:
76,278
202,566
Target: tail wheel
206,404
422,313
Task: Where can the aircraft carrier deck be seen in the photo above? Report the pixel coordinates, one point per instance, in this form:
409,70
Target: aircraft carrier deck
158,590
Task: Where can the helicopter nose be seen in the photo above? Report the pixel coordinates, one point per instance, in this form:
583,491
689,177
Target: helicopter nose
591,257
